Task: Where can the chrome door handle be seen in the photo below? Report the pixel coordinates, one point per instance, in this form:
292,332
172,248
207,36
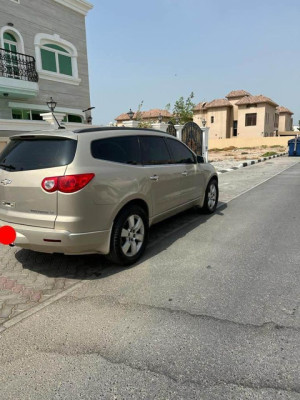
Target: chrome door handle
154,178
184,173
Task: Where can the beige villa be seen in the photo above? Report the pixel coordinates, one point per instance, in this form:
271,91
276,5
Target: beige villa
241,114
285,119
148,116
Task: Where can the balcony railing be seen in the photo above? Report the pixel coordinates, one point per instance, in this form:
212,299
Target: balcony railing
17,66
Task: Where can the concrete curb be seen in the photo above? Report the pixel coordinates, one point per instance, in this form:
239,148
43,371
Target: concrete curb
250,162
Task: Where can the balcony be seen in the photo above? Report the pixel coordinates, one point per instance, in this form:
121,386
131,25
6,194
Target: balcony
18,75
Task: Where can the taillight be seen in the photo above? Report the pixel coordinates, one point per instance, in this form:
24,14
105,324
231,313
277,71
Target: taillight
50,184
67,183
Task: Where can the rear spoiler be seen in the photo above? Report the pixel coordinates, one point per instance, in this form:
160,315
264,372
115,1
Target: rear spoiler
45,135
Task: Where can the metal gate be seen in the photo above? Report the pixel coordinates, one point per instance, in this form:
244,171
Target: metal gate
171,129
192,137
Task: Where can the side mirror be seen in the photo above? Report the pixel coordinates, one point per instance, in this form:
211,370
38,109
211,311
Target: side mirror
200,160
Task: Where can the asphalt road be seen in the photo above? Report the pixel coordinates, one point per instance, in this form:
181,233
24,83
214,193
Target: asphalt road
212,312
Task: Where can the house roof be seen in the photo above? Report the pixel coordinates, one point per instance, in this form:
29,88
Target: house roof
200,106
282,109
213,104
237,93
255,100
154,113
218,103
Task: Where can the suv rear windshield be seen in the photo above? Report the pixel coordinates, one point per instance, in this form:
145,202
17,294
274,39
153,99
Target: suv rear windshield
29,154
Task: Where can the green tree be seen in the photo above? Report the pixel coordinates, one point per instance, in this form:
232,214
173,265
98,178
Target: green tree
139,117
183,109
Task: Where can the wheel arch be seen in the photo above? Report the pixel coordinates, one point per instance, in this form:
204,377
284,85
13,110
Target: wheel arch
139,202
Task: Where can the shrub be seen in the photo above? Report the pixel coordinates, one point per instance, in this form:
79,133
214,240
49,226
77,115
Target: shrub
269,153
229,148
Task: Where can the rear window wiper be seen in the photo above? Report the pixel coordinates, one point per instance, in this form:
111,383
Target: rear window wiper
7,166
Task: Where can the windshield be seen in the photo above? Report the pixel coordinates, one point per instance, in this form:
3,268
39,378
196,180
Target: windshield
30,154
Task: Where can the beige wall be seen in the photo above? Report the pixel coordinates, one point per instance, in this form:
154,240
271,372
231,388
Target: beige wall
150,120
220,128
270,119
285,122
247,142
234,114
252,131
198,116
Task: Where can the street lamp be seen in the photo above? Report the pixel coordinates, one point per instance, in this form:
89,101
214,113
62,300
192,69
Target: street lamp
203,123
177,120
160,117
130,114
51,104
88,109
88,115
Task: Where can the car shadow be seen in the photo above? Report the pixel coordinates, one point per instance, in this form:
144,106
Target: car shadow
95,266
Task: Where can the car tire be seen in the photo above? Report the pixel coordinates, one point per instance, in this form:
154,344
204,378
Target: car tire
129,236
211,197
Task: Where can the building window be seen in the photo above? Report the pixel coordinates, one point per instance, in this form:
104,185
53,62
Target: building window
235,128
74,118
212,120
250,119
11,40
35,115
56,59
251,105
32,115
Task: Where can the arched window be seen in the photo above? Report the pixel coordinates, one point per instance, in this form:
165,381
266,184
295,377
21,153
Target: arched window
10,42
11,39
56,59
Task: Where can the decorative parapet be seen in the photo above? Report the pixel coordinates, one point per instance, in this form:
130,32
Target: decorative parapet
81,6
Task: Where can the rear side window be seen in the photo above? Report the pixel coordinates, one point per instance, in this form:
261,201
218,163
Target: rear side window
154,151
181,154
30,154
125,150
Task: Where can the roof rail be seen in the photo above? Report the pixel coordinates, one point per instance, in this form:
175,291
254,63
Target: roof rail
114,128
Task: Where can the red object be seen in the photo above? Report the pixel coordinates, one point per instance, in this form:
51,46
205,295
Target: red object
67,183
7,235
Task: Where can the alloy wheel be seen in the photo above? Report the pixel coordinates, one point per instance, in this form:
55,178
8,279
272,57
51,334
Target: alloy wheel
132,235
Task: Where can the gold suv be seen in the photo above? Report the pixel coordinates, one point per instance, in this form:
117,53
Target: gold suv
98,190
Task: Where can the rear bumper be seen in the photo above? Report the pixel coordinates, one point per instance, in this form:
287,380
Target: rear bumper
33,238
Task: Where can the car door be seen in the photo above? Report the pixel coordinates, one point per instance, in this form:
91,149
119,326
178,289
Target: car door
163,174
192,177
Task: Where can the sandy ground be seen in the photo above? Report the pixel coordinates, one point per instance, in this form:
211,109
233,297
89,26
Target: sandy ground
241,154
233,157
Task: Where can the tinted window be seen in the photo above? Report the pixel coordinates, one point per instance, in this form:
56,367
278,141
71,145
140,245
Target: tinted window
181,154
154,151
28,154
118,149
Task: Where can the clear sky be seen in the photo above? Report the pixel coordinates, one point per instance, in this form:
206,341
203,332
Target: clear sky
156,51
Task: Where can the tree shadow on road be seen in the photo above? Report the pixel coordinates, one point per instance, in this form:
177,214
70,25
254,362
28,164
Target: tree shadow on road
89,267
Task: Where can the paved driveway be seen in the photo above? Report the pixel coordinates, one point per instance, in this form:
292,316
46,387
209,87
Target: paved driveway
211,312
